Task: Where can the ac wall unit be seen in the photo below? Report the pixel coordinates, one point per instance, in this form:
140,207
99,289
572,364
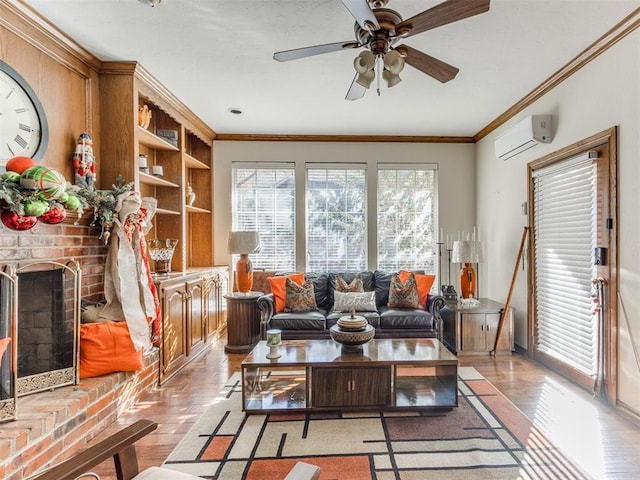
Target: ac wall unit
524,135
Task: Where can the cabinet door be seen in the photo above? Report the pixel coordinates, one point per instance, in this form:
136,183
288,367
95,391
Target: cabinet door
212,305
195,318
505,343
473,333
331,387
371,386
174,343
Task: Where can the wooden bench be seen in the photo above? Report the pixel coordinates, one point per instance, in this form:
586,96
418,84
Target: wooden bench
120,446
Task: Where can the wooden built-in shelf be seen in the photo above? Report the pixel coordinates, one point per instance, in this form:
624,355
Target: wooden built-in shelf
191,209
164,211
192,162
151,140
157,181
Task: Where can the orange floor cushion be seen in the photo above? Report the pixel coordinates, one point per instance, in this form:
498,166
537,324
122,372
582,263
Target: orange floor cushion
106,347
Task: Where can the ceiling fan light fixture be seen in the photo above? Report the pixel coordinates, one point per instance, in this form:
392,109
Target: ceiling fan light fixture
392,79
364,62
393,62
365,79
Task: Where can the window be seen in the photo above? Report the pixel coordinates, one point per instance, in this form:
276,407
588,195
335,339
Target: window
565,229
264,200
407,217
336,223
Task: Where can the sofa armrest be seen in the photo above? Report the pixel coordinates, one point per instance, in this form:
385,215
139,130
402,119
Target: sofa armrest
267,309
434,304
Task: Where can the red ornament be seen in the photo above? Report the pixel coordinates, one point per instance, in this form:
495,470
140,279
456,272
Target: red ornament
53,216
17,222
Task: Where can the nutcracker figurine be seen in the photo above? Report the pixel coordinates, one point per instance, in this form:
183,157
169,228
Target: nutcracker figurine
84,162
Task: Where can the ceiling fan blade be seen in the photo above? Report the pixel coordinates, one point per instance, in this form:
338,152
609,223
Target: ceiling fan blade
356,90
442,14
427,64
363,14
297,53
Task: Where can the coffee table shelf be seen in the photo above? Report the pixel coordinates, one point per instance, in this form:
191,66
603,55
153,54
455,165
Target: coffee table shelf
320,375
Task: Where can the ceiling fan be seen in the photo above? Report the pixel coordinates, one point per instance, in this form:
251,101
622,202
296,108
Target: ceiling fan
378,29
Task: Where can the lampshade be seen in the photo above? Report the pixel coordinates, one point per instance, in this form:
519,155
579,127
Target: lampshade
467,251
244,242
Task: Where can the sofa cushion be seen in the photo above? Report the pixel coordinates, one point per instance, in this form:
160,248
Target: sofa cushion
354,286
299,298
278,288
358,301
396,319
382,282
299,321
320,288
424,283
403,295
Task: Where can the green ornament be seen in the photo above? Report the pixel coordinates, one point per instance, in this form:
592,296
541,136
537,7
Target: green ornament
35,208
72,202
11,176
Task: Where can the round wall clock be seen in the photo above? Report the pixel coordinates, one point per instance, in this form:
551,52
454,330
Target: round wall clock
23,124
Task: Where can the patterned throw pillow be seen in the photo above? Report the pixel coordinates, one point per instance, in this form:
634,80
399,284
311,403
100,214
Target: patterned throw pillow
354,286
403,295
424,283
299,298
358,301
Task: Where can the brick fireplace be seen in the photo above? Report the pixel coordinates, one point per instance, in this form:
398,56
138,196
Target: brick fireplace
54,423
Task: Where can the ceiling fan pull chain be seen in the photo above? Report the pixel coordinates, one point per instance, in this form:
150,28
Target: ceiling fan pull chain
378,64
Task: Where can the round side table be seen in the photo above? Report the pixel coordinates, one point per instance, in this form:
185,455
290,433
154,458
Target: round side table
243,321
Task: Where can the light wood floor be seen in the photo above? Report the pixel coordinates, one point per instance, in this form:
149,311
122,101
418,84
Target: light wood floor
602,441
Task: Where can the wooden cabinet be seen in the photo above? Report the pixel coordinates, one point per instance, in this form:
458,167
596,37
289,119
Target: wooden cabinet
190,311
349,387
186,159
173,340
216,308
474,330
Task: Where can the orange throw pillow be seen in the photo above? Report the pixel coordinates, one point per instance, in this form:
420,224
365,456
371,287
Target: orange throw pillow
279,288
106,347
424,282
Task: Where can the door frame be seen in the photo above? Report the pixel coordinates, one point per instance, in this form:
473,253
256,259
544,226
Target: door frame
605,141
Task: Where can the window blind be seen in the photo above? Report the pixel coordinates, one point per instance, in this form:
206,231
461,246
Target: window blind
336,218
264,200
564,197
407,217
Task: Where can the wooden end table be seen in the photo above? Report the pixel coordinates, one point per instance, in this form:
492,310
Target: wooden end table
243,321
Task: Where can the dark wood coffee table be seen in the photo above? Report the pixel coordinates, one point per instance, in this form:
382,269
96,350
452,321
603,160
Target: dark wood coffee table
409,374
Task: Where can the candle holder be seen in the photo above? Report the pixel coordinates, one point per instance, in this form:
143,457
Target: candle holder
274,340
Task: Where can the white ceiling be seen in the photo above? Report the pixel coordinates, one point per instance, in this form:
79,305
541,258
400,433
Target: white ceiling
217,54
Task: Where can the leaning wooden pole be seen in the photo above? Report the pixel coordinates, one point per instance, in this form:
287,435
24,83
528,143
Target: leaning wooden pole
505,311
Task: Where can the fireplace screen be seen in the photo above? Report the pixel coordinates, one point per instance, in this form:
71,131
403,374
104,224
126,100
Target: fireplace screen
7,345
47,303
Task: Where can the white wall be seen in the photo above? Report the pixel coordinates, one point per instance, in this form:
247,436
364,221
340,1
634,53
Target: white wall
601,95
456,170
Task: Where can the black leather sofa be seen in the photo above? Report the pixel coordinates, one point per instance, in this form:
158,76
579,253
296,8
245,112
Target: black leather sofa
388,322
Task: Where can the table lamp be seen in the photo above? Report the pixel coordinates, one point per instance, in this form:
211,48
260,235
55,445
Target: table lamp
244,243
467,252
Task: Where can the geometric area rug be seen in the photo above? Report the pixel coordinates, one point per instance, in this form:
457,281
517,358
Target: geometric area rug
485,437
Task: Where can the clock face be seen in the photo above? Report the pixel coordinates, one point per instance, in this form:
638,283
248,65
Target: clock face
23,125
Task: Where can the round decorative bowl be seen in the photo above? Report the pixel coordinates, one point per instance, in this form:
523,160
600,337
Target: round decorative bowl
352,339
